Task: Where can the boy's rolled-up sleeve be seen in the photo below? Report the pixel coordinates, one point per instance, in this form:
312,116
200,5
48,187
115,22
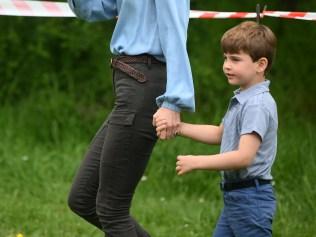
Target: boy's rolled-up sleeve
255,118
94,10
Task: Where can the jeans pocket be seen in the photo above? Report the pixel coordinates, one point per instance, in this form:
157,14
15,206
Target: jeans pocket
118,145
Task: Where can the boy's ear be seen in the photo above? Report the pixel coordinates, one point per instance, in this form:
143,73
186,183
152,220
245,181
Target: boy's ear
262,64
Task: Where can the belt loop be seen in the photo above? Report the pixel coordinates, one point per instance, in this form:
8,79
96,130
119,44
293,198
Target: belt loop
257,184
221,185
113,79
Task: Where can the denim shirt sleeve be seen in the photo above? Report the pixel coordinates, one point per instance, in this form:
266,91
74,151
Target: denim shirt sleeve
94,10
173,19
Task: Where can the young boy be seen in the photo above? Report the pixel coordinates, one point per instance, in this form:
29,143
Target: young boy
248,135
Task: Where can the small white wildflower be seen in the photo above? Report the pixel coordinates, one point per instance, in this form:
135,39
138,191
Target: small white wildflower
201,200
24,158
144,178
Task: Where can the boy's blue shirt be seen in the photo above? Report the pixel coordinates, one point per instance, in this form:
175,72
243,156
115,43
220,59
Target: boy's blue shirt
251,110
156,27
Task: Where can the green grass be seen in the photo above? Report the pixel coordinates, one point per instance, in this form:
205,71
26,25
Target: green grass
44,138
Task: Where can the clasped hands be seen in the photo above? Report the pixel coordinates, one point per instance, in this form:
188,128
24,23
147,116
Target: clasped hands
167,123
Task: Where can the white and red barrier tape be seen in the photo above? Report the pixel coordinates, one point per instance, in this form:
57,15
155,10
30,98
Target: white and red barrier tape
61,9
311,16
35,8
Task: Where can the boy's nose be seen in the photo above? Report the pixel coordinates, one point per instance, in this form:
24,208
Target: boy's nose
226,66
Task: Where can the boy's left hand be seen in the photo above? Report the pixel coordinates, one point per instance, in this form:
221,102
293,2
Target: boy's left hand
185,164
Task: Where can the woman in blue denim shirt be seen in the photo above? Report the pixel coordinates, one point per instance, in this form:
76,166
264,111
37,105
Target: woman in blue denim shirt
152,80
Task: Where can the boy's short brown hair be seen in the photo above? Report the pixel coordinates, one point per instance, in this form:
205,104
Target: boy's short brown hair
251,38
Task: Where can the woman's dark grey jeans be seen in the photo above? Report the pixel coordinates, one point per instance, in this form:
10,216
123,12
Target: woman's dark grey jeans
115,162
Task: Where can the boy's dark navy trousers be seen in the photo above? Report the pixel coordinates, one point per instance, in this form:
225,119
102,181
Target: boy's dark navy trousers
115,162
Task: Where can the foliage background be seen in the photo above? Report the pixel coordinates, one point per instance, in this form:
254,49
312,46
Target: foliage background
56,90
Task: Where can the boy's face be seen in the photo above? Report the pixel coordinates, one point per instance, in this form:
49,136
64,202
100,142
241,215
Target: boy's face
241,71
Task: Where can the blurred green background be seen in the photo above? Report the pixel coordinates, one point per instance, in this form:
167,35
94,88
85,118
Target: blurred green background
56,90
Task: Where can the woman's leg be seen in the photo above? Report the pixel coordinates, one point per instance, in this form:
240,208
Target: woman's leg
82,197
128,144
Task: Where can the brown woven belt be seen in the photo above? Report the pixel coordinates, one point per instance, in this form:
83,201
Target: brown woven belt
122,63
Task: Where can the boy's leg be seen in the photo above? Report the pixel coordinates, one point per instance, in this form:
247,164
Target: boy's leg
222,228
251,211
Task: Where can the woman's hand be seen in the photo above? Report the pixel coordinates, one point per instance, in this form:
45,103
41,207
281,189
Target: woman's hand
161,127
172,122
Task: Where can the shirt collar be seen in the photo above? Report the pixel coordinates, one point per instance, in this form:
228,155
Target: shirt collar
243,95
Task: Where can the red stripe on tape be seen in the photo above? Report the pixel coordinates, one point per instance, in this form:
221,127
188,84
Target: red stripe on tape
238,15
208,15
22,6
52,7
297,14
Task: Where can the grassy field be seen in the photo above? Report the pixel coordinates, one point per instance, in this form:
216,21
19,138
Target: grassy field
44,138
55,92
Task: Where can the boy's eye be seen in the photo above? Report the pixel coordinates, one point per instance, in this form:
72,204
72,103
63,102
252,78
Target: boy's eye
235,59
